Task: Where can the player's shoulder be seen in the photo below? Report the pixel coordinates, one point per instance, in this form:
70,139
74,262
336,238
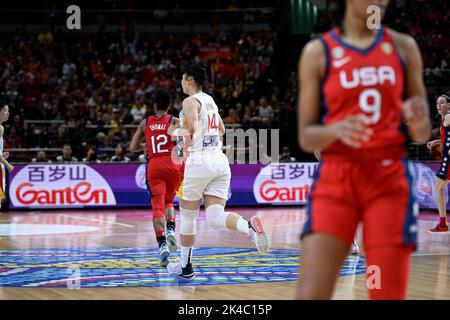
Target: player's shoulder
314,48
313,58
447,118
402,40
190,101
144,122
2,129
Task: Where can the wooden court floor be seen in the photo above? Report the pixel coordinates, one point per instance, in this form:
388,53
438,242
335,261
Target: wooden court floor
112,255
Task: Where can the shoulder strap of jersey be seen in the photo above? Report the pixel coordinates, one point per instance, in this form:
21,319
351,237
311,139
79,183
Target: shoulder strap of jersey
168,118
400,54
327,43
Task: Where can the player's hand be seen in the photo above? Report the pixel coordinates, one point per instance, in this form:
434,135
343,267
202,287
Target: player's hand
415,112
353,131
5,155
431,144
416,115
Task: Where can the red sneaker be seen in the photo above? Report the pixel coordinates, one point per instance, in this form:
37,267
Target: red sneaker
439,230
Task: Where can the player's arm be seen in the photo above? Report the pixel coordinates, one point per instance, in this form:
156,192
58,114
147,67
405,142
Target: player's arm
433,143
191,107
311,134
5,155
7,165
136,145
446,120
221,127
415,109
173,125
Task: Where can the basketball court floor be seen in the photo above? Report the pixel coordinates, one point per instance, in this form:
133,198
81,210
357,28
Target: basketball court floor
113,254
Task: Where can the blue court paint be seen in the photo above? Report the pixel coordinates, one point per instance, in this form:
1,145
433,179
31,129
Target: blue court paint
139,267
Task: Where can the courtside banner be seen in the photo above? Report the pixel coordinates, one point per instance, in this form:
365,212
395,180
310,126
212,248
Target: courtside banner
73,186
424,180
41,186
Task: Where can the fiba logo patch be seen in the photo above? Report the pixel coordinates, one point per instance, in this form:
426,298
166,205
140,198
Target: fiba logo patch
386,47
337,53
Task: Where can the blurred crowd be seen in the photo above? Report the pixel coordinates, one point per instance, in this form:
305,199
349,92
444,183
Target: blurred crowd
90,92
82,95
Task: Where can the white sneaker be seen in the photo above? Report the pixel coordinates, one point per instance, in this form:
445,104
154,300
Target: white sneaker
174,268
186,273
355,247
257,234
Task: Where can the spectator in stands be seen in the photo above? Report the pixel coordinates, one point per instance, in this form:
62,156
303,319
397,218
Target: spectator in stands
160,13
232,118
45,36
139,110
41,156
13,141
286,155
101,147
120,154
66,156
91,156
265,112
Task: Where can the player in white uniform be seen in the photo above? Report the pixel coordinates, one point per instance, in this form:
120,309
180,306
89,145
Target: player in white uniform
4,164
207,173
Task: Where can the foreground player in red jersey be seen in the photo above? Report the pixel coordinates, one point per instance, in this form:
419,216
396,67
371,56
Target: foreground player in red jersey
352,84
443,175
163,174
355,246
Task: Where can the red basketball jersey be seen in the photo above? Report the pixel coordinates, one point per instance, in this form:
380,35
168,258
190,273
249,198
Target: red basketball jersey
159,142
368,81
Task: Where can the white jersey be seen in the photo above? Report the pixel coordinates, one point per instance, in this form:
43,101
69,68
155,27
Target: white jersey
206,136
207,170
1,144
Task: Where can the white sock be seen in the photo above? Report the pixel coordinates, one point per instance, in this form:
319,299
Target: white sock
242,225
186,254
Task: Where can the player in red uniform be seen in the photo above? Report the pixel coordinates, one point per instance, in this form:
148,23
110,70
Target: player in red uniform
163,174
352,84
443,175
355,246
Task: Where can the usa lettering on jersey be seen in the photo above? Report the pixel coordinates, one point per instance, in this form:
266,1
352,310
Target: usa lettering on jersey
367,76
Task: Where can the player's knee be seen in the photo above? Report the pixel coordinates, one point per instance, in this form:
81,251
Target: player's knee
441,187
216,216
440,184
188,221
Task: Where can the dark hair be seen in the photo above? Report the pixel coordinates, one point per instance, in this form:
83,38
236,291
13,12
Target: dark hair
162,99
446,97
196,71
3,104
123,147
336,10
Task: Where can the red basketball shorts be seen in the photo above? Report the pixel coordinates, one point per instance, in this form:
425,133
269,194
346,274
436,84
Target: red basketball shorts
377,193
163,177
